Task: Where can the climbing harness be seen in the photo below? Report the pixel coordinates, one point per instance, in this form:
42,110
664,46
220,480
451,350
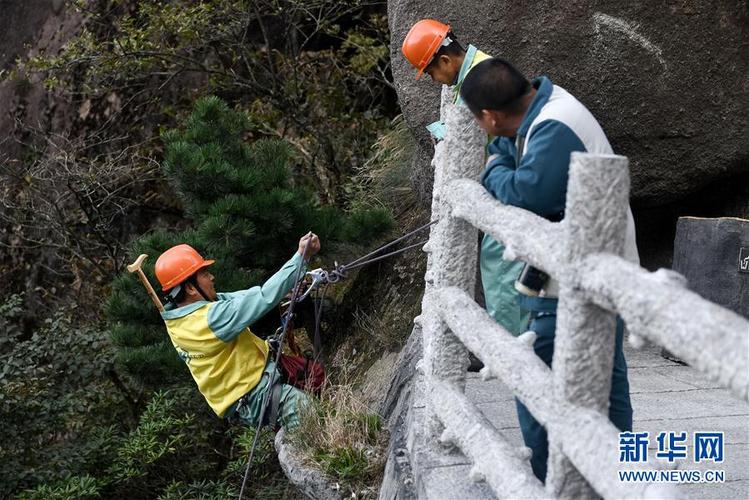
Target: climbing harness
320,281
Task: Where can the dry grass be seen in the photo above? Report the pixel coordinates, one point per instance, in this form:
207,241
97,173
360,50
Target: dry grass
339,434
384,180
377,327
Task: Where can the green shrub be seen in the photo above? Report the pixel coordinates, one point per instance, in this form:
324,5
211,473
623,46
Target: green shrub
199,490
76,487
249,212
11,314
365,225
169,442
66,426
59,403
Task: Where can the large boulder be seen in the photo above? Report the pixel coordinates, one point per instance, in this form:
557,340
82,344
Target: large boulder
669,81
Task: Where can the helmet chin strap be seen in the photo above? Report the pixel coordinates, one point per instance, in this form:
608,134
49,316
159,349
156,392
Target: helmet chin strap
193,280
172,295
200,290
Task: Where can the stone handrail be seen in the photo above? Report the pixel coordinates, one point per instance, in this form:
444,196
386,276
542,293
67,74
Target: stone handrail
583,253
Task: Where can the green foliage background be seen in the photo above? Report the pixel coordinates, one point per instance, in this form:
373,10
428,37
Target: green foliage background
232,125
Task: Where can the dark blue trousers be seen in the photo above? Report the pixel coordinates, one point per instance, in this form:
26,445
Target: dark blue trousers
620,408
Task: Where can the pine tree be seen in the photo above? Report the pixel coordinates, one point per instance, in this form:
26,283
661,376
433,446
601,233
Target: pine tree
248,215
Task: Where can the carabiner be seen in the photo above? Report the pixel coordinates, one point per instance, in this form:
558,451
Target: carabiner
319,276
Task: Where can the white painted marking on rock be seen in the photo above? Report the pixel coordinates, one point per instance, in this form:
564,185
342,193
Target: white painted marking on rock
630,31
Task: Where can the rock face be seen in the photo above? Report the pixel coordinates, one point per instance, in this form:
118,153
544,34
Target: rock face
19,25
668,81
29,29
308,479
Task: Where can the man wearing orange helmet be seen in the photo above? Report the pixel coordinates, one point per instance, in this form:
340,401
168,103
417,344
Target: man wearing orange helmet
431,47
210,331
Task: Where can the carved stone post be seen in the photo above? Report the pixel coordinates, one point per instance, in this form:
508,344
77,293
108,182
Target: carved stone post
452,252
595,221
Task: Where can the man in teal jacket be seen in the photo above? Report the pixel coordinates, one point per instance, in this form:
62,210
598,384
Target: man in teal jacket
537,126
432,48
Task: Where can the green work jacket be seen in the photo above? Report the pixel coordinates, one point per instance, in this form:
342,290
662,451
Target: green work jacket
497,275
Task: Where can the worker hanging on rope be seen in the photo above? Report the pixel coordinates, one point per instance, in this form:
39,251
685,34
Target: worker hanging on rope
432,47
211,333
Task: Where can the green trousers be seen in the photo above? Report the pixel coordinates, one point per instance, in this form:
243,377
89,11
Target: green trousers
291,403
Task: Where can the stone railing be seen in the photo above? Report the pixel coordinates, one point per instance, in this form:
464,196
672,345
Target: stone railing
583,253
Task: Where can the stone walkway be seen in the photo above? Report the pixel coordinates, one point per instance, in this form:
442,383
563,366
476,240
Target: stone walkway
666,396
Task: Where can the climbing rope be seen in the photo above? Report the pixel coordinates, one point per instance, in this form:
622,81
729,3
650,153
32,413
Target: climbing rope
361,261
323,277
320,280
316,340
271,380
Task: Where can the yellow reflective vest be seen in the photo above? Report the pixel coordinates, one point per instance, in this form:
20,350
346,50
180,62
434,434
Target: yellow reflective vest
225,358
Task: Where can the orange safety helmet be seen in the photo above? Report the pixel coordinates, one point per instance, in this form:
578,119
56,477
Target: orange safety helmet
422,42
177,264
